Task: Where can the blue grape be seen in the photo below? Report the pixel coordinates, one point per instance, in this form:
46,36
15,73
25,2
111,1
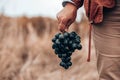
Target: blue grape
65,44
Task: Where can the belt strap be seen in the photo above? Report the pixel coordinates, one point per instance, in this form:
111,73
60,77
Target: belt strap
89,43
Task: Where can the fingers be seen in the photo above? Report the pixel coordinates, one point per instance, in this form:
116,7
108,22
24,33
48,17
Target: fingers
64,23
69,22
61,27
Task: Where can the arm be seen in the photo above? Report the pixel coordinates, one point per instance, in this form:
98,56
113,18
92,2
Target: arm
68,14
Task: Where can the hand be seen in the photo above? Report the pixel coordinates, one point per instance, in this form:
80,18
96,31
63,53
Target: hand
66,16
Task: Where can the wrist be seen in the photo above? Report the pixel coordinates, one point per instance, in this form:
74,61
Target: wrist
77,3
71,6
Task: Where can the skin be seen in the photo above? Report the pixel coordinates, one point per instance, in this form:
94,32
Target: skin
66,16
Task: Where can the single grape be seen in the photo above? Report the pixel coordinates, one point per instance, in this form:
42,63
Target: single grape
57,35
64,55
54,39
69,63
68,39
79,47
70,43
69,53
78,37
66,66
74,46
72,36
66,49
56,50
66,34
66,60
63,59
57,42
61,37
60,55
62,64
54,46
61,46
74,33
65,42
71,49
62,50
77,41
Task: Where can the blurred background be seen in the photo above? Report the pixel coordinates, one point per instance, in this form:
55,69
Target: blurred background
26,30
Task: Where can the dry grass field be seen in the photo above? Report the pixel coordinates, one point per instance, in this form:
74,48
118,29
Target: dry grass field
26,53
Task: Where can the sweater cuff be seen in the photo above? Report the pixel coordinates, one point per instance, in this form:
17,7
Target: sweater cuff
77,3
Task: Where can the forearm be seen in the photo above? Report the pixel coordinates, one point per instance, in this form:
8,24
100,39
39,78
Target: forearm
77,3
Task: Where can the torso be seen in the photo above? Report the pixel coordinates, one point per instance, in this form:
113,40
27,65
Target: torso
107,34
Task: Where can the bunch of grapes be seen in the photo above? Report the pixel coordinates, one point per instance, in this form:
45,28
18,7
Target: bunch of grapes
64,44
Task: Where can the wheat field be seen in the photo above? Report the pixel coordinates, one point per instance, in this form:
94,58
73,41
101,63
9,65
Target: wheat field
26,53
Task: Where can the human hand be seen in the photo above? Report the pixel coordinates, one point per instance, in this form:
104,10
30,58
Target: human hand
66,16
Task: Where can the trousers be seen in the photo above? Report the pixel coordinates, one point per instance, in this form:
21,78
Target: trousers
106,37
